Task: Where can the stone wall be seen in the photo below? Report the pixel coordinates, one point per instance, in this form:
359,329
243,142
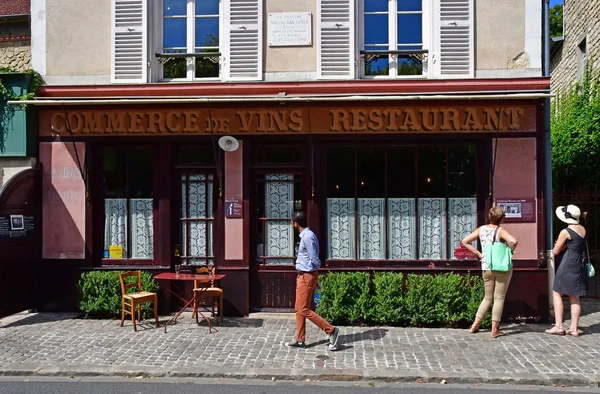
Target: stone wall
15,55
580,22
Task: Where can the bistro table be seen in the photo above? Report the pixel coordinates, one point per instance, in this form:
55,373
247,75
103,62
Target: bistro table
180,293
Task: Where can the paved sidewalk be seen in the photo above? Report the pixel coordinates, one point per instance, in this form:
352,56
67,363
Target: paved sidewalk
66,345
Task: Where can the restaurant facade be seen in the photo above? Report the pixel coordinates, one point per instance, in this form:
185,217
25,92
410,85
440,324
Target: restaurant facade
392,171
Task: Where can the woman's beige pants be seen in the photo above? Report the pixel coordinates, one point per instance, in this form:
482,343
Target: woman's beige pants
496,284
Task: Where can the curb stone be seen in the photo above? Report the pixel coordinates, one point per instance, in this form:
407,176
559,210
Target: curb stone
351,375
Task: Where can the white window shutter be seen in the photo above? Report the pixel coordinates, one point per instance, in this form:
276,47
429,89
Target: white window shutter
243,60
335,39
455,46
129,41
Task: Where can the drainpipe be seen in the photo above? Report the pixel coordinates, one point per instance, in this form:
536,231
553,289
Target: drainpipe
548,156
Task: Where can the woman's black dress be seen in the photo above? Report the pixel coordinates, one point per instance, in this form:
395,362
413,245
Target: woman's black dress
571,276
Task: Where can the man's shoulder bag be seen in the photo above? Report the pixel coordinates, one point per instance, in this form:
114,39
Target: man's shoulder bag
498,255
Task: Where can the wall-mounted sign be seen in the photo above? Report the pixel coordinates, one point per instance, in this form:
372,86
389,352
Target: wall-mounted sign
518,210
244,119
233,208
290,28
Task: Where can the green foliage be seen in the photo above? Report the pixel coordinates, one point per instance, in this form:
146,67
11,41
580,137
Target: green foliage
445,300
556,21
389,299
101,293
36,82
346,298
575,126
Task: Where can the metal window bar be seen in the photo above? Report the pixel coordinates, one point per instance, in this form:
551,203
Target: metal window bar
374,54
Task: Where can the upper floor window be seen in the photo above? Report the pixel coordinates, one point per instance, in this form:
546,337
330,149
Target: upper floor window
391,38
191,27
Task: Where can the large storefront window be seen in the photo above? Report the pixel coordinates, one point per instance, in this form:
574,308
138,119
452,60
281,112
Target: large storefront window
399,203
128,208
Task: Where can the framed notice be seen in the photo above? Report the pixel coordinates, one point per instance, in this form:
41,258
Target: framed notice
518,210
233,208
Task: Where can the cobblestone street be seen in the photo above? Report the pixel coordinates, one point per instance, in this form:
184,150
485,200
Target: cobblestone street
67,345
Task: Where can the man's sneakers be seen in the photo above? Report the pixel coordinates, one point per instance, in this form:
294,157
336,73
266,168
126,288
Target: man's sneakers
333,339
294,343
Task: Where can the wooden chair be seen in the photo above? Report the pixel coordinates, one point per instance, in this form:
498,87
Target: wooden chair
130,302
205,289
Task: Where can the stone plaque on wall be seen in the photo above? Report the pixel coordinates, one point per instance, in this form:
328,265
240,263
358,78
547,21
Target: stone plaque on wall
290,29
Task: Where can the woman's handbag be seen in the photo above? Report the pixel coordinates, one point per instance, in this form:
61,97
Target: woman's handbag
589,268
498,255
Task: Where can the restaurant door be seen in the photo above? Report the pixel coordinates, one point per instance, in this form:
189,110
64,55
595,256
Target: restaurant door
277,194
195,218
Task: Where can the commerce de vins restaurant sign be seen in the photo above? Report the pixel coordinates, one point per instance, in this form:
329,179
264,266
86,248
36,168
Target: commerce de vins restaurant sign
289,119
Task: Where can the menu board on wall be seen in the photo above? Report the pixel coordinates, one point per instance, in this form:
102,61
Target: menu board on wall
518,210
16,226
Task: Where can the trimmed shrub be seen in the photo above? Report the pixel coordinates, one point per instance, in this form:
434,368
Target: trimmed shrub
444,300
346,298
101,293
389,299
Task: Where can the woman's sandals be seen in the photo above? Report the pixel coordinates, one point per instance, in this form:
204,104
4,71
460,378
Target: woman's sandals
556,331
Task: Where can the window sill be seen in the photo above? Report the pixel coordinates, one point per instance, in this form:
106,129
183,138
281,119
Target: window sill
131,262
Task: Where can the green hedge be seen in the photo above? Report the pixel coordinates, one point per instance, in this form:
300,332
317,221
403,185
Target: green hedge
445,300
101,293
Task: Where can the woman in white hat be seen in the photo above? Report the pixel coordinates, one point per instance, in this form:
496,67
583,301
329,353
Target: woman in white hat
571,275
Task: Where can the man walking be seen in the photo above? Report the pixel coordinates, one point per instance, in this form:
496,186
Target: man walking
307,265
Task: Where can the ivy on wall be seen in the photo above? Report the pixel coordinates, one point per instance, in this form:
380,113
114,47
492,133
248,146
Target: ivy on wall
36,82
575,134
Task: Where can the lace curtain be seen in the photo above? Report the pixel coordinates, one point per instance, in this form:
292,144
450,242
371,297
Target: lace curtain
432,228
141,222
401,229
371,228
115,223
340,228
279,205
463,219
196,208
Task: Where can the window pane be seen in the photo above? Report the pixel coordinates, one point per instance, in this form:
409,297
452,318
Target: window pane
410,29
207,32
142,228
401,172
377,64
371,228
371,172
206,68
279,206
279,154
174,33
175,68
174,7
410,5
432,172
462,172
207,7
409,65
340,228
340,172
376,5
140,172
432,228
115,176
376,29
196,155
